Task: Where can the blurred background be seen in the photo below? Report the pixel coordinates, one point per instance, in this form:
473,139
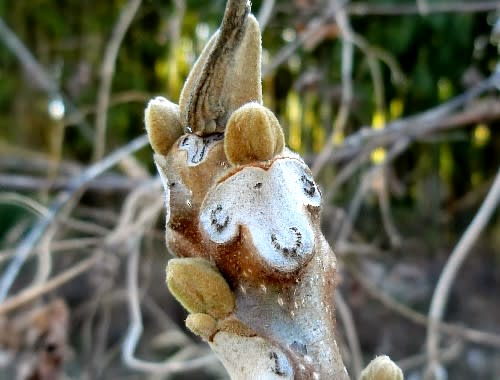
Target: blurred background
393,103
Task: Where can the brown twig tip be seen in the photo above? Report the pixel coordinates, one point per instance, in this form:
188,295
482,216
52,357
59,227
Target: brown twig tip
253,134
382,368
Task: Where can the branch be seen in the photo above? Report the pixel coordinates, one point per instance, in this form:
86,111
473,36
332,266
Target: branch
345,314
42,79
135,330
114,100
445,355
107,72
347,91
455,261
26,246
265,11
112,183
365,9
416,126
33,293
288,50
472,335
67,245
367,184
484,111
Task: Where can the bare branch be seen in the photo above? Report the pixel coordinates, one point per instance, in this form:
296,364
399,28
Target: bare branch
288,50
366,9
41,78
136,327
112,183
472,335
33,293
413,127
77,183
445,355
344,312
265,11
67,245
347,92
107,71
456,259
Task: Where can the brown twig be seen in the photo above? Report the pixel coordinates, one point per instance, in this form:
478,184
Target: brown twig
114,100
384,203
367,184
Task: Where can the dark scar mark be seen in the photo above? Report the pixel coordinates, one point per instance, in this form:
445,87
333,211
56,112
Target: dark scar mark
197,158
288,251
258,185
50,347
277,368
207,141
215,221
299,347
199,151
309,186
